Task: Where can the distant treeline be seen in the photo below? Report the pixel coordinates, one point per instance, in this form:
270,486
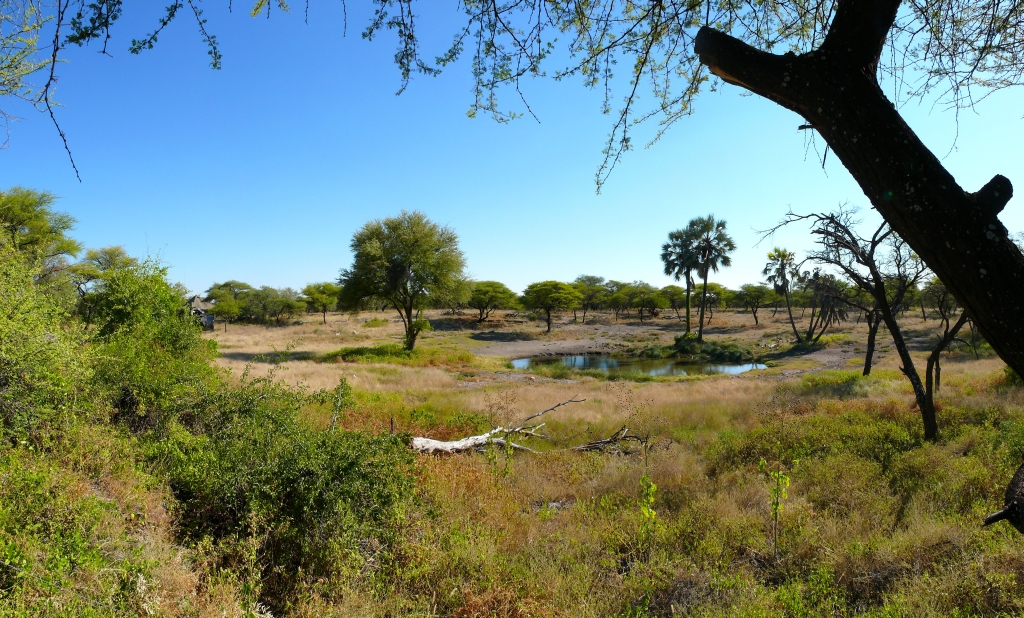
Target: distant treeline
237,301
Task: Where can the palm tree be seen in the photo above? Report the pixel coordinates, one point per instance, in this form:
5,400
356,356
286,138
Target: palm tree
780,268
680,257
712,246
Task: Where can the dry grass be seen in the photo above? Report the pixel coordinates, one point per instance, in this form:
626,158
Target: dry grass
875,523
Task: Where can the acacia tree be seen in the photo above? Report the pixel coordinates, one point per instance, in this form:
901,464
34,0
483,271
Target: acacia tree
754,297
87,275
592,291
30,226
826,296
883,267
712,247
321,297
400,261
488,296
550,297
648,299
675,296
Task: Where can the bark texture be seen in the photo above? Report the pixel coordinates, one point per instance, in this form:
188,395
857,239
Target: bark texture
835,88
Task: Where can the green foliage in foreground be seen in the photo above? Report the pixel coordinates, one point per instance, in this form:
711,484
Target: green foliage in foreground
324,503
99,426
43,369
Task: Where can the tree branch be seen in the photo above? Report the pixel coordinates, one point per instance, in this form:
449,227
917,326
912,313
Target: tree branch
858,32
739,64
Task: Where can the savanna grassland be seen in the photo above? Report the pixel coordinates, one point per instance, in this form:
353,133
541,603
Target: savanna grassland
803,489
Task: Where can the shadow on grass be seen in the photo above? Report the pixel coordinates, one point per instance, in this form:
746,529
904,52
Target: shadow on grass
494,336
270,357
396,354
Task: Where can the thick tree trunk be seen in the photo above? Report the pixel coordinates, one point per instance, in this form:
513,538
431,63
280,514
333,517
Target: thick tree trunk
835,88
754,311
548,312
873,321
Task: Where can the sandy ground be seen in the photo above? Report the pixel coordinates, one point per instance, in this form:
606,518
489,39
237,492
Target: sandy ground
252,345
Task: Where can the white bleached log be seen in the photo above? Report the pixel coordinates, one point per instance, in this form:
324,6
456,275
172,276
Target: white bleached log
499,436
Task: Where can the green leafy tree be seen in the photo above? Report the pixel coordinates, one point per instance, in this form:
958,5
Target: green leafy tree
33,229
227,309
86,274
753,297
268,303
551,297
593,293
321,297
490,295
229,300
779,272
20,26
628,293
713,296
675,296
232,288
713,247
616,296
401,261
648,300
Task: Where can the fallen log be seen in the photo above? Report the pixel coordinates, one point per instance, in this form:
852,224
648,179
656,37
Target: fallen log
430,446
499,436
613,440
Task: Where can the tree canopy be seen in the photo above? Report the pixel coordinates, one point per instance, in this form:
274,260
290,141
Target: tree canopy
551,297
321,297
490,295
33,229
401,261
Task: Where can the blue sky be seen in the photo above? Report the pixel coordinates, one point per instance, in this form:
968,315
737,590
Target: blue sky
263,170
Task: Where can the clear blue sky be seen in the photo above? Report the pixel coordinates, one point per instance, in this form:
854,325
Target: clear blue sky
263,170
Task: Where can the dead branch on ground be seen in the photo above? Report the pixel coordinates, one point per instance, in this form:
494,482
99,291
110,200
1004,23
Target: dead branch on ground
499,436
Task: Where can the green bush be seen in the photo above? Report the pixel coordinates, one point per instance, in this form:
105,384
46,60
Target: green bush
151,356
375,323
44,367
1011,378
319,505
836,383
687,345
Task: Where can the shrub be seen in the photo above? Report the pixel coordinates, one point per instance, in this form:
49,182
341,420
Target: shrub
43,365
687,345
1011,378
324,505
836,383
375,323
151,354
